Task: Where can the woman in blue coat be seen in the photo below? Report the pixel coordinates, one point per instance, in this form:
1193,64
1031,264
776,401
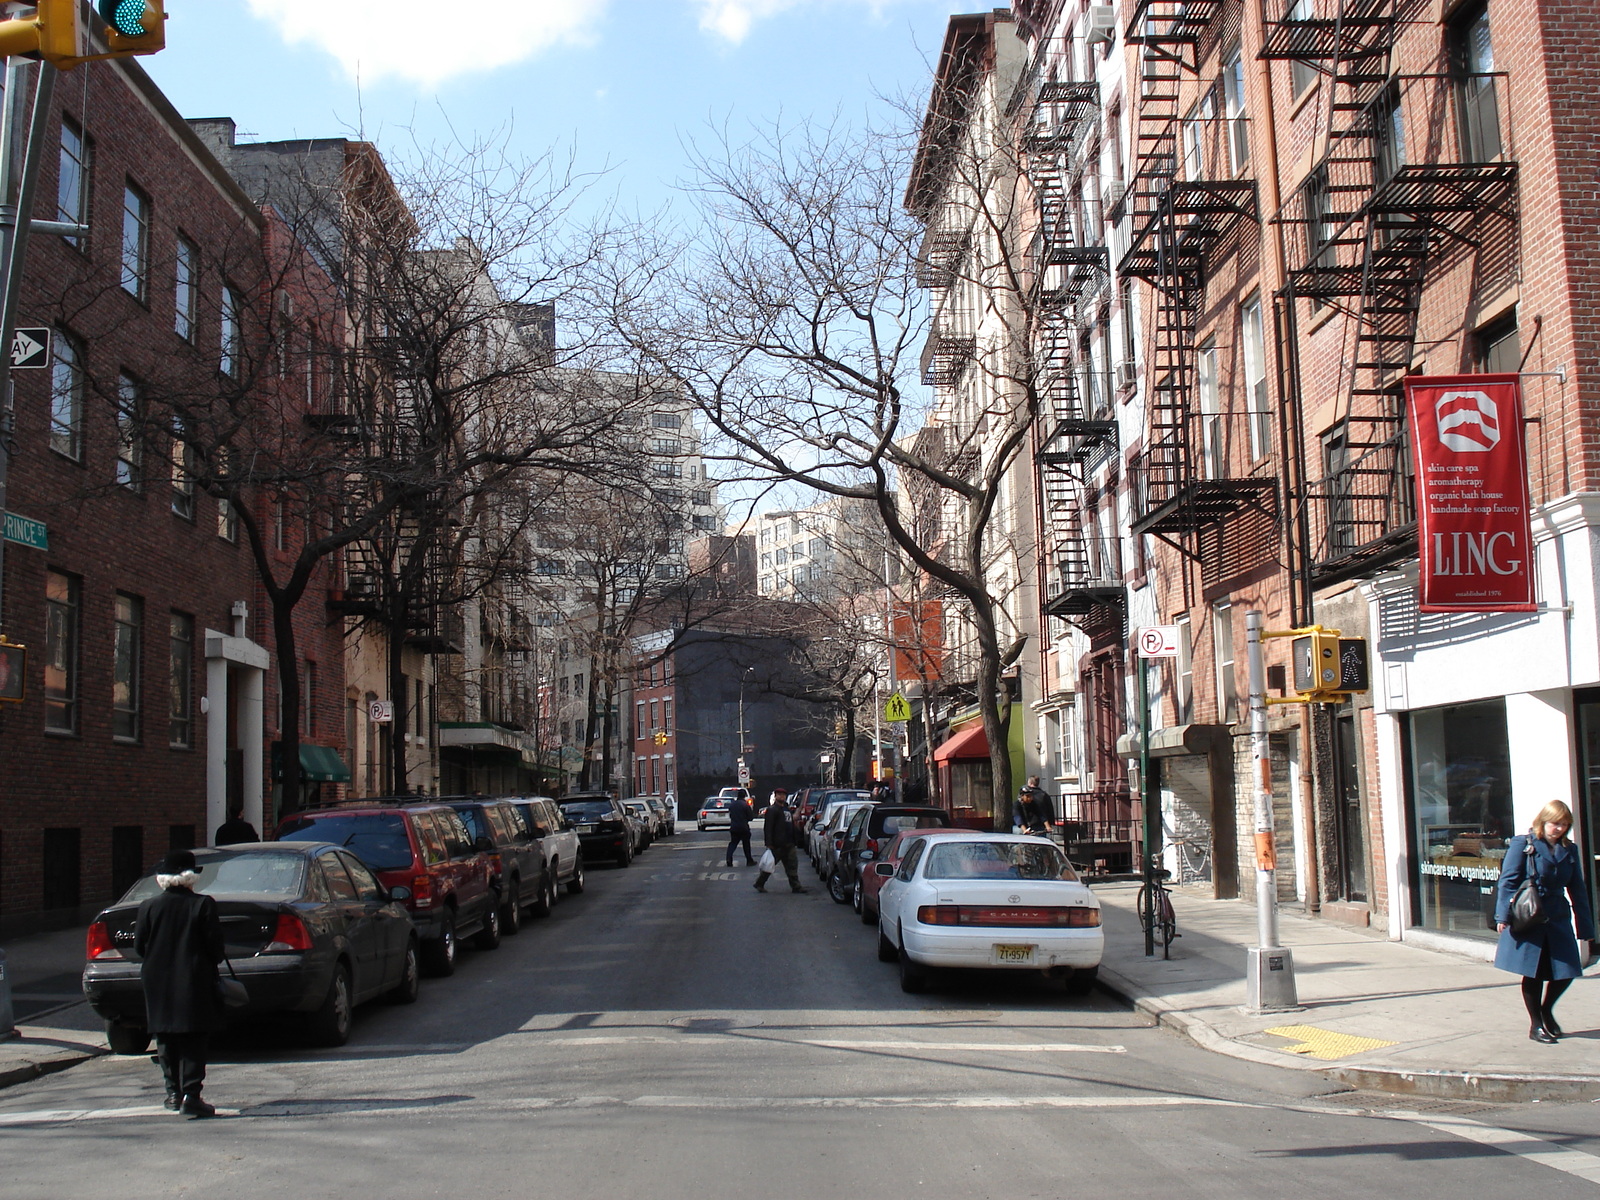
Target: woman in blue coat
1549,953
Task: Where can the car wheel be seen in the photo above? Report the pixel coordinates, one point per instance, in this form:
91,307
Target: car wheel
330,1024
489,936
1081,981
541,906
511,914
439,954
836,890
886,949
913,978
855,898
125,1038
405,992
625,857
575,884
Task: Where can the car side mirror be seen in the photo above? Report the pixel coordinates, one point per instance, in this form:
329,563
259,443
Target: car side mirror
399,892
884,869
483,843
868,855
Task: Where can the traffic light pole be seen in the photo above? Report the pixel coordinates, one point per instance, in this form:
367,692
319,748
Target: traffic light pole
1269,967
14,228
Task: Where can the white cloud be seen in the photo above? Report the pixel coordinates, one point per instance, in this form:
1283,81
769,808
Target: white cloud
731,19
426,41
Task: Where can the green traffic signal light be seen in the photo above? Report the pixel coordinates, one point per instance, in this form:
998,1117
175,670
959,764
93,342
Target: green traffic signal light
124,16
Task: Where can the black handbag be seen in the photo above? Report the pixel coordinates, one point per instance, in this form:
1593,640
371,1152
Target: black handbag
1527,909
231,991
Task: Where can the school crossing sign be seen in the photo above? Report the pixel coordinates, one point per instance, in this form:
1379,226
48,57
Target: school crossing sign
897,708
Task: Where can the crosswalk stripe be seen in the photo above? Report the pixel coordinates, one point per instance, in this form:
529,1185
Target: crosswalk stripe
997,1047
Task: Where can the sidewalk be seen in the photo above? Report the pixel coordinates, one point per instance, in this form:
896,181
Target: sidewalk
56,1028
1377,1014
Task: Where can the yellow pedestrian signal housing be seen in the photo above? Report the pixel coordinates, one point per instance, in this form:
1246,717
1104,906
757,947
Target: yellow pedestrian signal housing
13,672
51,33
661,737
1328,667
134,26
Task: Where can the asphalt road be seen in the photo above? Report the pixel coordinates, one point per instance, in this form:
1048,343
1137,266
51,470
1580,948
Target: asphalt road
673,1034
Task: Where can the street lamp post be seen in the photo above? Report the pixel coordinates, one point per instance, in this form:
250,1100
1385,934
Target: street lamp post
739,757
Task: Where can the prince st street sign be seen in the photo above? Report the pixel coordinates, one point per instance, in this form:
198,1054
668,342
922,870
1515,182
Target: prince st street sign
24,531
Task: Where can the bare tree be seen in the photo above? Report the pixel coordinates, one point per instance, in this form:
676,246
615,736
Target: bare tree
795,320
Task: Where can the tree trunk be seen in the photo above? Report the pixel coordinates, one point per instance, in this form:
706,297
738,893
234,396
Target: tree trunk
289,727
605,738
586,779
399,782
847,752
996,718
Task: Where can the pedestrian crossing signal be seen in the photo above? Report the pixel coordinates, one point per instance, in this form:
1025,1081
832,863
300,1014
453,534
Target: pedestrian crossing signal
13,672
661,737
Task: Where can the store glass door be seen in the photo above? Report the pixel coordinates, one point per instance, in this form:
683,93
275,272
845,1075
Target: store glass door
1587,834
1352,829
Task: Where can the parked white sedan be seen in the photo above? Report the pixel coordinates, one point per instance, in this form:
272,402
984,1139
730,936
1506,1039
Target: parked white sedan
988,900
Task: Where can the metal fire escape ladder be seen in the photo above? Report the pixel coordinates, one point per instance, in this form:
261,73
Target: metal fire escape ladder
1177,219
1369,222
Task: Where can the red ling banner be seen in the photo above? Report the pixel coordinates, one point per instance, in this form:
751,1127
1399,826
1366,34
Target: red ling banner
1472,493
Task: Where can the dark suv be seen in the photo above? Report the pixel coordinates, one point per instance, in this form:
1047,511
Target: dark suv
604,828
422,847
516,866
871,830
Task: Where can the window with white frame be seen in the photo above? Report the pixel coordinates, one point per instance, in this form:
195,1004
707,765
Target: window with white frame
1211,444
1222,645
135,242
1255,377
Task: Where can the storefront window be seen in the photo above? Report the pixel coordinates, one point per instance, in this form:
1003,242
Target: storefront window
1461,805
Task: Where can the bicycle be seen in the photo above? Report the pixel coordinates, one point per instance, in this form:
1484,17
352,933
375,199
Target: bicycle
1156,916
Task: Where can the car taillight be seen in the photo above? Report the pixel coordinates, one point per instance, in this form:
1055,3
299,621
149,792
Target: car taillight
1076,917
422,890
289,936
98,944
872,844
838,842
494,863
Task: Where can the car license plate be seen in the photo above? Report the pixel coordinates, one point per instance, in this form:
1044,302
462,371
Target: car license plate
1014,956
586,828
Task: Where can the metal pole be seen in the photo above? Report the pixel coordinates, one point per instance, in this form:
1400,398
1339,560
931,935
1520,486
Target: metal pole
1149,808
888,642
1269,967
16,72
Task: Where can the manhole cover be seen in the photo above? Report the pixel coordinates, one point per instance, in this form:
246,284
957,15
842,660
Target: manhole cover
713,1024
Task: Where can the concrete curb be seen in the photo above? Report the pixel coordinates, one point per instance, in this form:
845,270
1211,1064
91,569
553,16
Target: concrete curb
1444,1085
39,1051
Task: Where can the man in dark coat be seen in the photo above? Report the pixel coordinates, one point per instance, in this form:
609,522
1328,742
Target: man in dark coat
739,815
179,938
235,830
1035,810
778,832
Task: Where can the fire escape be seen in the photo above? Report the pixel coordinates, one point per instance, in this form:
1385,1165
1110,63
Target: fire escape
1070,267
1184,200
1418,170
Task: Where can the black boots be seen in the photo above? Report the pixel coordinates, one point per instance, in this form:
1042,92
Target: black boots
761,881
1550,1022
195,1107
171,1102
1538,1033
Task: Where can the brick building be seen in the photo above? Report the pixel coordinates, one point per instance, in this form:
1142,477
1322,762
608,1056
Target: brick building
150,676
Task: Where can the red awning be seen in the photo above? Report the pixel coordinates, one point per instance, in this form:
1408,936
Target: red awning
969,743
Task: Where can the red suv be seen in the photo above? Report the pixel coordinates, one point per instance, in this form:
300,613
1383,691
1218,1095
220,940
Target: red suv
426,848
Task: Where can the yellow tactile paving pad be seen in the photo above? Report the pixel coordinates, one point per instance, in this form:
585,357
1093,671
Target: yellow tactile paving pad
1325,1043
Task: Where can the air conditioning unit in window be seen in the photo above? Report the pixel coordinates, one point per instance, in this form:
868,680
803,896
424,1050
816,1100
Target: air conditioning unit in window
1111,199
1100,24
1127,373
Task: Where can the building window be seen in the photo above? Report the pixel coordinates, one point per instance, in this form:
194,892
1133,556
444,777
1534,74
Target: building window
1302,74
227,521
72,181
130,440
1130,337
182,476
308,699
1255,377
1222,644
66,396
230,340
1211,440
1234,108
63,596
180,681
666,717
1184,696
1461,797
135,243
126,656
664,445
1495,347
666,421
1478,107
186,289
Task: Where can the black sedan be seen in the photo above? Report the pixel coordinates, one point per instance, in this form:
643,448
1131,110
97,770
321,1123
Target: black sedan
309,931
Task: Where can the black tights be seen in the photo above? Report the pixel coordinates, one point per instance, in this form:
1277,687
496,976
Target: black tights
1552,992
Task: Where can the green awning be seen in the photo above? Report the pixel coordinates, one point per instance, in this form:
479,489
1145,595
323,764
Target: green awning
318,764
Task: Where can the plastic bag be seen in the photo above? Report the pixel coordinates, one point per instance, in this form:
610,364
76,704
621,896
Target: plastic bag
768,863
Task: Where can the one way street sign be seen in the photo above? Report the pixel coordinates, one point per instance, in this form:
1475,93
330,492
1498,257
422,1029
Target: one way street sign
30,349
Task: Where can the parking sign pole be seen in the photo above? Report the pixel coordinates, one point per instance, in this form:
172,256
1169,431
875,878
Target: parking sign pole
1269,967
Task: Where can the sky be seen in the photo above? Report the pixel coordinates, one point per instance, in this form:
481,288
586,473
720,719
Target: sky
619,83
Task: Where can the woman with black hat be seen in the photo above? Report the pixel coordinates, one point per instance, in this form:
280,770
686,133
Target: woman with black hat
179,939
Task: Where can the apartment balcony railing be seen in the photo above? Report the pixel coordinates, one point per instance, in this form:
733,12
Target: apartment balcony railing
946,359
1190,192
1206,467
1363,512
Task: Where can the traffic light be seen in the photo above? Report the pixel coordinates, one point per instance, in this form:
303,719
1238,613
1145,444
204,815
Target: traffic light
13,672
1327,667
51,33
134,26
661,737
1316,662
